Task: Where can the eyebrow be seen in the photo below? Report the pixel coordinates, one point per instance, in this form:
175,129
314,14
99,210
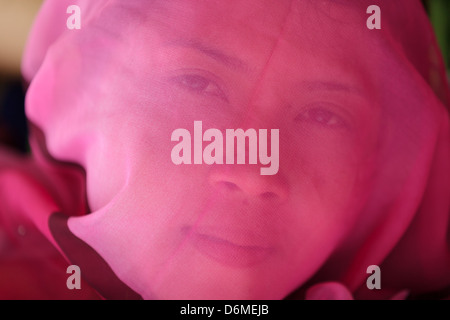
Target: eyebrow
240,65
330,86
217,54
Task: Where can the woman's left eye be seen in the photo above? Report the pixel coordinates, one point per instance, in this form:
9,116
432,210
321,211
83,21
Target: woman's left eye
322,116
200,85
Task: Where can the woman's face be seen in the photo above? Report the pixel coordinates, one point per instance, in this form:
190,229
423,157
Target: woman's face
204,231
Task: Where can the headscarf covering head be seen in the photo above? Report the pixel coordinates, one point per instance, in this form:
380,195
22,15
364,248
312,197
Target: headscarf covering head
360,176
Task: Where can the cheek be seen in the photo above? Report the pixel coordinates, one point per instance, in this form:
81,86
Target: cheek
323,168
135,142
325,186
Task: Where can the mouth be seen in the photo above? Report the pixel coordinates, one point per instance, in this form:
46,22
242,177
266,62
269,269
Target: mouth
228,247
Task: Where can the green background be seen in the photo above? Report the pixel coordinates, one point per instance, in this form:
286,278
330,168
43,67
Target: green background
439,11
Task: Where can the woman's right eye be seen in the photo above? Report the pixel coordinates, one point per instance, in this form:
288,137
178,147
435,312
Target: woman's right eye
199,85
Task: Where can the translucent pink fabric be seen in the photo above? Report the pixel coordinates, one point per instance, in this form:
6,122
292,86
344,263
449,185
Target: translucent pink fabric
364,149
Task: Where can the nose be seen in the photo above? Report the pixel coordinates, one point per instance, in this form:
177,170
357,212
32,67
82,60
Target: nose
246,180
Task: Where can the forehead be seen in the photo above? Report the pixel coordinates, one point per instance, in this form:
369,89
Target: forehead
317,36
253,19
260,25
246,20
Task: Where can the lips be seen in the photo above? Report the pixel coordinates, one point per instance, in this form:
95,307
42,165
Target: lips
233,248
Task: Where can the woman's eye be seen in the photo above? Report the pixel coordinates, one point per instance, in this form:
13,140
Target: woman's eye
322,116
199,85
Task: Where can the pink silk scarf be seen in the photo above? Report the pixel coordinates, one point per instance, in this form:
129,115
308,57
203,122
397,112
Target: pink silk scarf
360,169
